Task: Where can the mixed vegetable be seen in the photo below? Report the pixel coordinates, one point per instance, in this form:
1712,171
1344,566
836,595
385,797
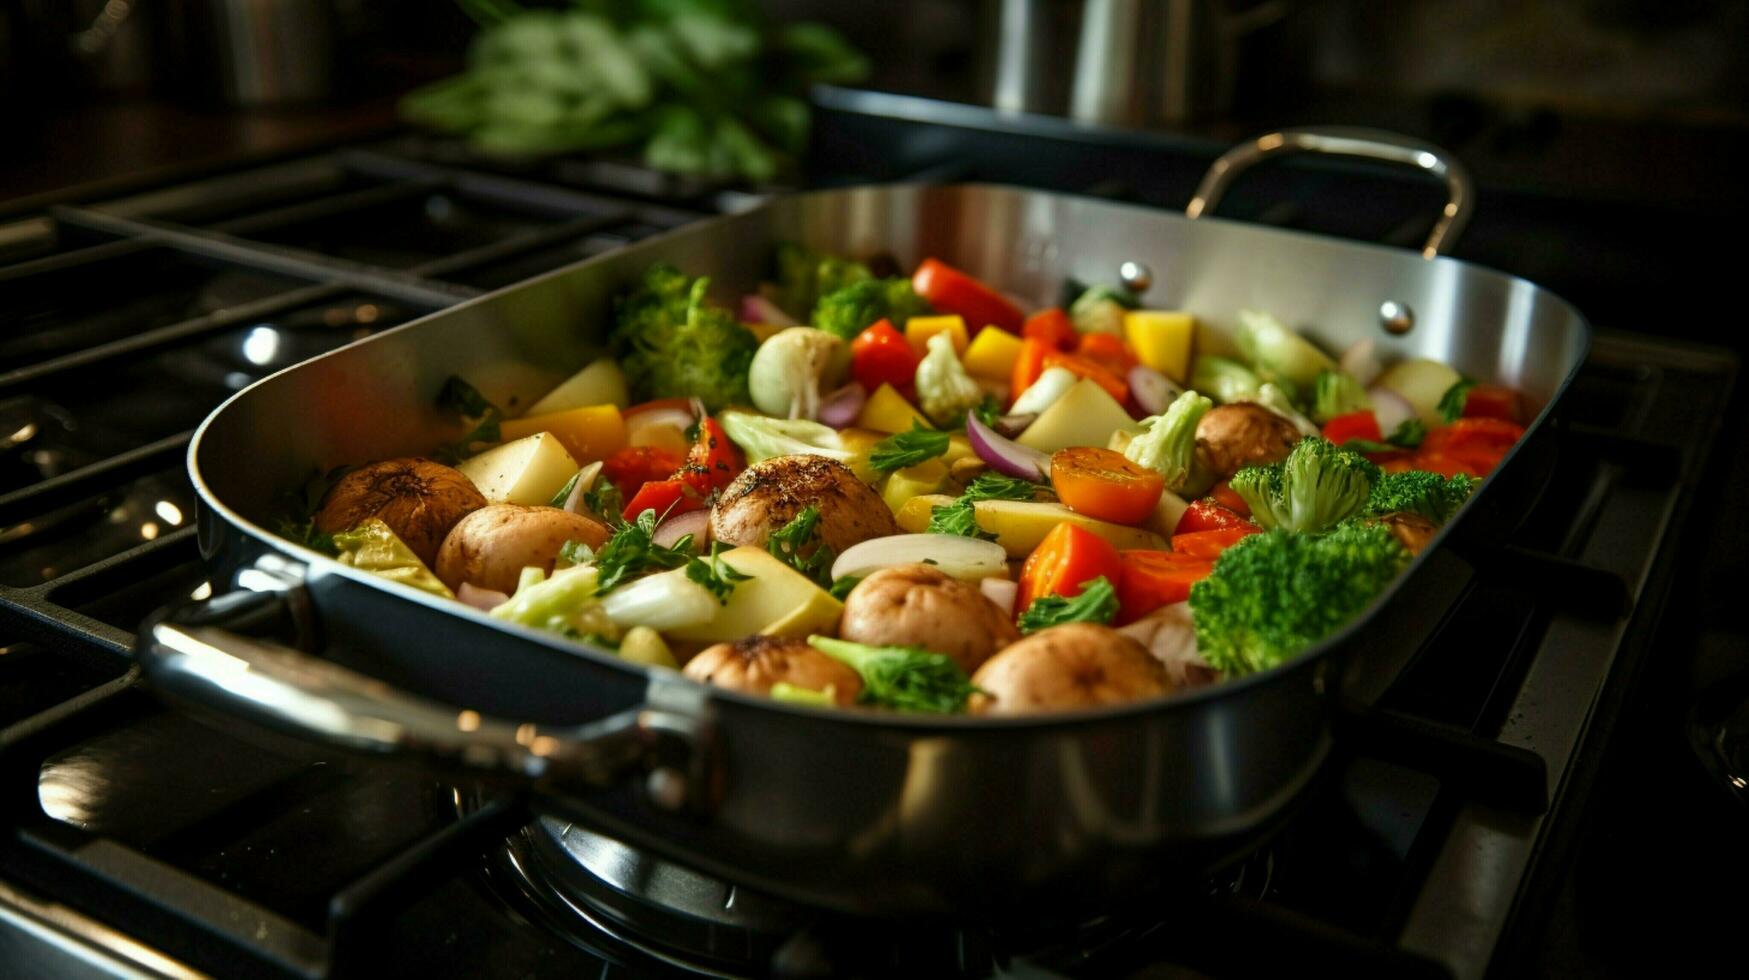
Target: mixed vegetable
927,499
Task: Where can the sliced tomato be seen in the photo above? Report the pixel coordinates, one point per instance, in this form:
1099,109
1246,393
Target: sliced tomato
1106,350
1477,443
1355,425
713,462
1113,382
632,467
1491,402
881,355
1028,366
952,291
1052,326
1210,544
1224,494
1207,515
665,497
1103,484
1152,579
1067,559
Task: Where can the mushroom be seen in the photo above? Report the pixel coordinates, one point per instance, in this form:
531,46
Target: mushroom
490,547
1232,437
418,499
756,664
1169,634
916,605
1076,665
1413,531
770,493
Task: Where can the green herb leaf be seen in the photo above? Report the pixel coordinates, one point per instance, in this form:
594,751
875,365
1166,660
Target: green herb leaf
716,575
1451,404
907,448
1408,434
959,517
463,400
988,411
995,486
1097,603
903,678
565,491
576,553
842,585
604,501
788,543
632,551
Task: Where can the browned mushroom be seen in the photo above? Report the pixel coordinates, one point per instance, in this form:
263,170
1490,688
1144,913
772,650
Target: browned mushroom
1076,665
770,493
418,499
1232,437
756,664
490,547
1411,530
916,605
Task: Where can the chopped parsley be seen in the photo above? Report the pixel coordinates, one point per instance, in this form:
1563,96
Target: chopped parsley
842,585
633,551
788,543
605,502
465,402
715,574
961,516
1451,404
1097,603
904,449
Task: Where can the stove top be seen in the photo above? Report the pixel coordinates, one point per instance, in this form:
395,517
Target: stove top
140,841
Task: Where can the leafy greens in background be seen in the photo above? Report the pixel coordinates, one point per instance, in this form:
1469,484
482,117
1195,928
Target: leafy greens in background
704,87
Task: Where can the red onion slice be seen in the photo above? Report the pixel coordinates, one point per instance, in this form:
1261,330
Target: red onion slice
694,522
1004,455
841,408
1361,361
484,600
1389,408
1013,425
1152,390
757,309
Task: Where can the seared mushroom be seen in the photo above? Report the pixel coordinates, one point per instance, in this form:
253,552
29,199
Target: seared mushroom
770,493
1232,437
1169,634
756,664
490,547
916,605
419,500
1411,530
1076,665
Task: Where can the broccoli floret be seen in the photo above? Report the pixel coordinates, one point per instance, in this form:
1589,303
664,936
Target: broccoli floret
1317,487
802,275
903,678
1274,594
1337,393
1429,494
674,344
1169,445
848,311
1100,309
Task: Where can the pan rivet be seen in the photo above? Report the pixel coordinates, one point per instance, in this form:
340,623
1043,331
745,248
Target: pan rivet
1396,317
1136,277
666,788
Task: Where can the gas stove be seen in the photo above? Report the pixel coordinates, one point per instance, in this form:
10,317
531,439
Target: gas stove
141,841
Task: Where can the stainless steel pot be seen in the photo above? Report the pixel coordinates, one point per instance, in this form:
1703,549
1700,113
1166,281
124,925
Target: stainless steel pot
850,810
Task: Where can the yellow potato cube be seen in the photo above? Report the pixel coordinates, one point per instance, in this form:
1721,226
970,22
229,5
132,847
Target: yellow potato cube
589,433
887,411
1161,340
992,354
919,329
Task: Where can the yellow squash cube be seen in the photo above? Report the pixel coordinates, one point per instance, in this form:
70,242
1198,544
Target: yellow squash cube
887,411
919,329
1161,340
992,354
589,433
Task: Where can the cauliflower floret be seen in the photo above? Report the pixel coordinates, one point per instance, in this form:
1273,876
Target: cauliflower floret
944,388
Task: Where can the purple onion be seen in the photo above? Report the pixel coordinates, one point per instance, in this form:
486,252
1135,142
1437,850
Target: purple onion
1004,455
694,522
757,309
1152,390
1389,408
484,600
1013,425
840,409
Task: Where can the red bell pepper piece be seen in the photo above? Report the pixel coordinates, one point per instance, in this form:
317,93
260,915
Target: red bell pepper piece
1152,579
665,497
952,291
1107,350
1491,402
881,355
1068,558
1209,544
1052,326
1223,493
1206,515
632,467
1028,366
713,462
1083,367
1355,425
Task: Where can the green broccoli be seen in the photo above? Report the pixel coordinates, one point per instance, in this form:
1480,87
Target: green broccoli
904,678
1337,393
848,311
802,275
674,344
1100,309
1275,594
1169,446
1317,487
1432,496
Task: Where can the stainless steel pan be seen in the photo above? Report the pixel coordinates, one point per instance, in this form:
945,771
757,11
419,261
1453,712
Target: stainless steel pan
856,811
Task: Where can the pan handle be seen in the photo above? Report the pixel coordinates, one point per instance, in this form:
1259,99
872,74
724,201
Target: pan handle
202,654
1365,144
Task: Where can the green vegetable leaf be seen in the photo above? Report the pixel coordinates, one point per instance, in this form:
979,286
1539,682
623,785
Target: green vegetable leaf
565,491
465,402
988,411
788,543
604,501
842,585
1408,434
896,452
632,551
959,517
796,694
716,574
1097,603
903,678
576,553
1451,404
995,486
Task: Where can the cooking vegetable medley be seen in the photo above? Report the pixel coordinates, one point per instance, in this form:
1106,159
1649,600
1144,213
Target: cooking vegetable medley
928,498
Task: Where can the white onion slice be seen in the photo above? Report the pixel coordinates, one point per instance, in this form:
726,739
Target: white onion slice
585,483
1003,592
694,522
1053,384
969,559
1361,361
484,600
1152,390
1389,408
664,427
661,602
